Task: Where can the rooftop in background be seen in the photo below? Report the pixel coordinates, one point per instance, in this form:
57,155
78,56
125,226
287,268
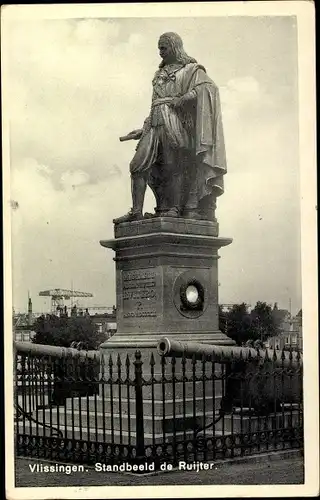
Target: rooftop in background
25,320
92,309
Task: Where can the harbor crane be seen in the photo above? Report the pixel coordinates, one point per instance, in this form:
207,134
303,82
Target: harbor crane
59,295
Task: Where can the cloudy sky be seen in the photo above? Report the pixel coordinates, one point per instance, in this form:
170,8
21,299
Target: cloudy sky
77,85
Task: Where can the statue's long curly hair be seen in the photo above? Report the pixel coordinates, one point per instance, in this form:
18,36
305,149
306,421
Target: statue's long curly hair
176,44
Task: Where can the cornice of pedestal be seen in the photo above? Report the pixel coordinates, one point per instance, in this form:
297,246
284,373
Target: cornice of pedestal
156,239
167,224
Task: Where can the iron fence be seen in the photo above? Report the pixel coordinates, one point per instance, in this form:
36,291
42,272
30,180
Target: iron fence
114,410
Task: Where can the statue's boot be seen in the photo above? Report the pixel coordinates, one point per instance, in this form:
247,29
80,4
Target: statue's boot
132,215
173,212
138,189
149,215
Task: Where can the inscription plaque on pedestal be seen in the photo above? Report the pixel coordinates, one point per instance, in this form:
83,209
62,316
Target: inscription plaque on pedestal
139,294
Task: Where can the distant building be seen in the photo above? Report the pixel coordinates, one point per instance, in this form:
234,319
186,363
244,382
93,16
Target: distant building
22,324
290,331
22,330
106,322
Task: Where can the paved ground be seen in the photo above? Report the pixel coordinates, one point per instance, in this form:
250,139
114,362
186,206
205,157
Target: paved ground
268,469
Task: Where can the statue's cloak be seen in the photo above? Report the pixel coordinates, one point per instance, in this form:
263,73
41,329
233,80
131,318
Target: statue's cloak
202,118
195,127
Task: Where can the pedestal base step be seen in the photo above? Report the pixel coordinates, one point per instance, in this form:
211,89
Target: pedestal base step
126,406
123,422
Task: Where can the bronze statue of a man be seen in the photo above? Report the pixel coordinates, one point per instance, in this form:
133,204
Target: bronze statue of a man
181,151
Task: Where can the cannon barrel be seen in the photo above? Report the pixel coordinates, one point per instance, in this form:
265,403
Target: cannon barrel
225,354
53,351
260,379
70,370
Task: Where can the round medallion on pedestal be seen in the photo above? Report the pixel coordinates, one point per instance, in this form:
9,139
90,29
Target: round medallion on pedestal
189,294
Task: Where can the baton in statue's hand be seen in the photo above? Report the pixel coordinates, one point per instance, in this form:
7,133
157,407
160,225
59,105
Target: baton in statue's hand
135,134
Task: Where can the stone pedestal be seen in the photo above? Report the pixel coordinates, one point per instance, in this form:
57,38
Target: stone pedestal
156,260
160,264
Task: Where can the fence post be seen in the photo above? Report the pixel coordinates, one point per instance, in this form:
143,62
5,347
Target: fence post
139,406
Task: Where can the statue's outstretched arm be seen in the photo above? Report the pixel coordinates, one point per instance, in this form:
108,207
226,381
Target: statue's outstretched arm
137,133
133,135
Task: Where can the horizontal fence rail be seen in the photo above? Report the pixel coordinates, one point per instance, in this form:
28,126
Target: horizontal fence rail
128,410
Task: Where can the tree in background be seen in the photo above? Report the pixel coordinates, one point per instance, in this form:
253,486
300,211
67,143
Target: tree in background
263,321
241,325
62,331
238,323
